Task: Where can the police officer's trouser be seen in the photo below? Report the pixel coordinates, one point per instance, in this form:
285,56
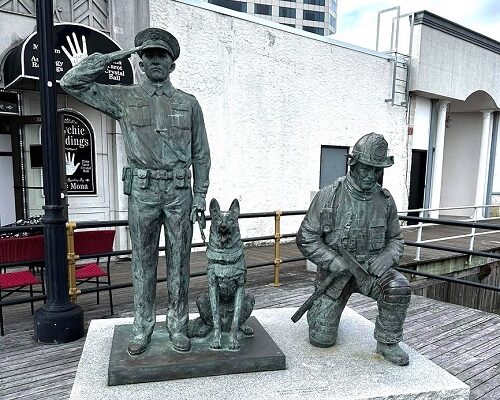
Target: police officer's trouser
160,203
392,292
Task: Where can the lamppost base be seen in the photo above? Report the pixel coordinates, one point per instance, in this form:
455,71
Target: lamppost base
61,326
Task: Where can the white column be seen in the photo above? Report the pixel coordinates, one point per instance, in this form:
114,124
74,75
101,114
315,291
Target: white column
437,168
482,170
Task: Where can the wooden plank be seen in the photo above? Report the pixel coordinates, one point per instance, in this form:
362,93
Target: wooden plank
478,369
477,335
457,362
485,381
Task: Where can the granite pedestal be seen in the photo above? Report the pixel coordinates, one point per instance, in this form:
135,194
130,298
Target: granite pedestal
349,370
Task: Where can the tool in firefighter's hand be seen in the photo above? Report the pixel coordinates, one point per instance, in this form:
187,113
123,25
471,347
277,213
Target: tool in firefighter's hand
359,272
355,268
317,293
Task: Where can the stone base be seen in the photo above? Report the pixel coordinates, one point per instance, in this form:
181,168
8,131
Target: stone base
349,370
160,363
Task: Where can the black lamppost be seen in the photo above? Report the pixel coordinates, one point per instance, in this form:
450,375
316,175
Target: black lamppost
58,321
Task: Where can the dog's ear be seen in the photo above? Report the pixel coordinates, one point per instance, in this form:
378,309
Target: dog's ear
235,208
214,207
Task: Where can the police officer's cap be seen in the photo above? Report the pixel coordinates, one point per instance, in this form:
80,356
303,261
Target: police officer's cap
371,150
156,38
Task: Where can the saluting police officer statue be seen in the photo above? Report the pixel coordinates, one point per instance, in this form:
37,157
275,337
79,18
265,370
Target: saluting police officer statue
164,135
351,232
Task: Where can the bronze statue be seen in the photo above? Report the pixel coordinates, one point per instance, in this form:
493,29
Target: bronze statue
226,307
164,135
351,232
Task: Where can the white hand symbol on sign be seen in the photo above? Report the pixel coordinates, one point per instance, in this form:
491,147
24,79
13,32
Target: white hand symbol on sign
77,53
70,164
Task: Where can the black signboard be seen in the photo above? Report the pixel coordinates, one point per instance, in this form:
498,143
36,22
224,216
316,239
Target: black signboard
72,42
79,153
9,103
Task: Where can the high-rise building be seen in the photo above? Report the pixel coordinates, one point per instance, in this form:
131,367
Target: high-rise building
316,16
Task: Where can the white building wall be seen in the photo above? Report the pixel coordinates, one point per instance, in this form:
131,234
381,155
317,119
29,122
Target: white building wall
460,166
271,97
452,67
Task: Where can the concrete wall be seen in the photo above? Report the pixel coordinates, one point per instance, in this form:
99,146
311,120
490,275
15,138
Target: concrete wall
271,97
452,67
460,165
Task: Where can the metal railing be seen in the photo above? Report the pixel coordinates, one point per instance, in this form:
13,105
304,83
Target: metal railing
427,222
277,262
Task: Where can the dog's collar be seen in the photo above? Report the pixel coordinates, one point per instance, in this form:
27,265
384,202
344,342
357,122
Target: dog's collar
224,256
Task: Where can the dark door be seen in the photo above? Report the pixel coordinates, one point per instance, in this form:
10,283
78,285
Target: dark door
417,181
333,164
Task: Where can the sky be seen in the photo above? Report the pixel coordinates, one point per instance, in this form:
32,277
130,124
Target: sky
357,19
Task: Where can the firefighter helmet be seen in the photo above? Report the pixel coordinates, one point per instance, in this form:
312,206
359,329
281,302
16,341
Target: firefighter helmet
371,150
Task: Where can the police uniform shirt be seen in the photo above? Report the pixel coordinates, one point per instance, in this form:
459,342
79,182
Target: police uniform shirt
162,126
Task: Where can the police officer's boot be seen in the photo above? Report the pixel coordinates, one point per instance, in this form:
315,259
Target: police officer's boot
180,342
138,345
393,352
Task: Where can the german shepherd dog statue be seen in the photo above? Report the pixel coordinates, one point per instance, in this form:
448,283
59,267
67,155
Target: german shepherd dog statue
226,307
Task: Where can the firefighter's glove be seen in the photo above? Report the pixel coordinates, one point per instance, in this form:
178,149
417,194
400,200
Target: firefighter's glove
380,264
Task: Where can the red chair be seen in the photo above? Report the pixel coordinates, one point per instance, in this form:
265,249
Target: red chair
94,242
14,250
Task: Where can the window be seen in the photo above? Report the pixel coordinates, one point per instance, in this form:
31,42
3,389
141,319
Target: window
292,25
333,21
333,6
231,4
314,15
333,164
287,12
314,29
315,2
262,9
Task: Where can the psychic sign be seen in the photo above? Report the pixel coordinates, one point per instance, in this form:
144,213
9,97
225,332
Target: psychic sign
79,153
72,43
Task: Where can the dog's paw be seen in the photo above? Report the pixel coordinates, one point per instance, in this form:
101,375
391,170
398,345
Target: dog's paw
233,343
216,342
246,329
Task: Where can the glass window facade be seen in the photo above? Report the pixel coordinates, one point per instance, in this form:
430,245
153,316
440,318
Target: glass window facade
314,29
292,25
231,4
263,9
314,15
287,12
315,2
333,6
333,20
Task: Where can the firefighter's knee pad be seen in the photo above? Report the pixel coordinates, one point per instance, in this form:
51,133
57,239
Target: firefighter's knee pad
395,288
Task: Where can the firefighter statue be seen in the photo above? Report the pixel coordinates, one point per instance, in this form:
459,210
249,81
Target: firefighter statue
351,232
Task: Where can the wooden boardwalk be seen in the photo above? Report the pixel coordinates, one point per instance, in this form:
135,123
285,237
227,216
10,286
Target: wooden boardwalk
464,341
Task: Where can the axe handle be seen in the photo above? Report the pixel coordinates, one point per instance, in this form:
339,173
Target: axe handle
317,293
